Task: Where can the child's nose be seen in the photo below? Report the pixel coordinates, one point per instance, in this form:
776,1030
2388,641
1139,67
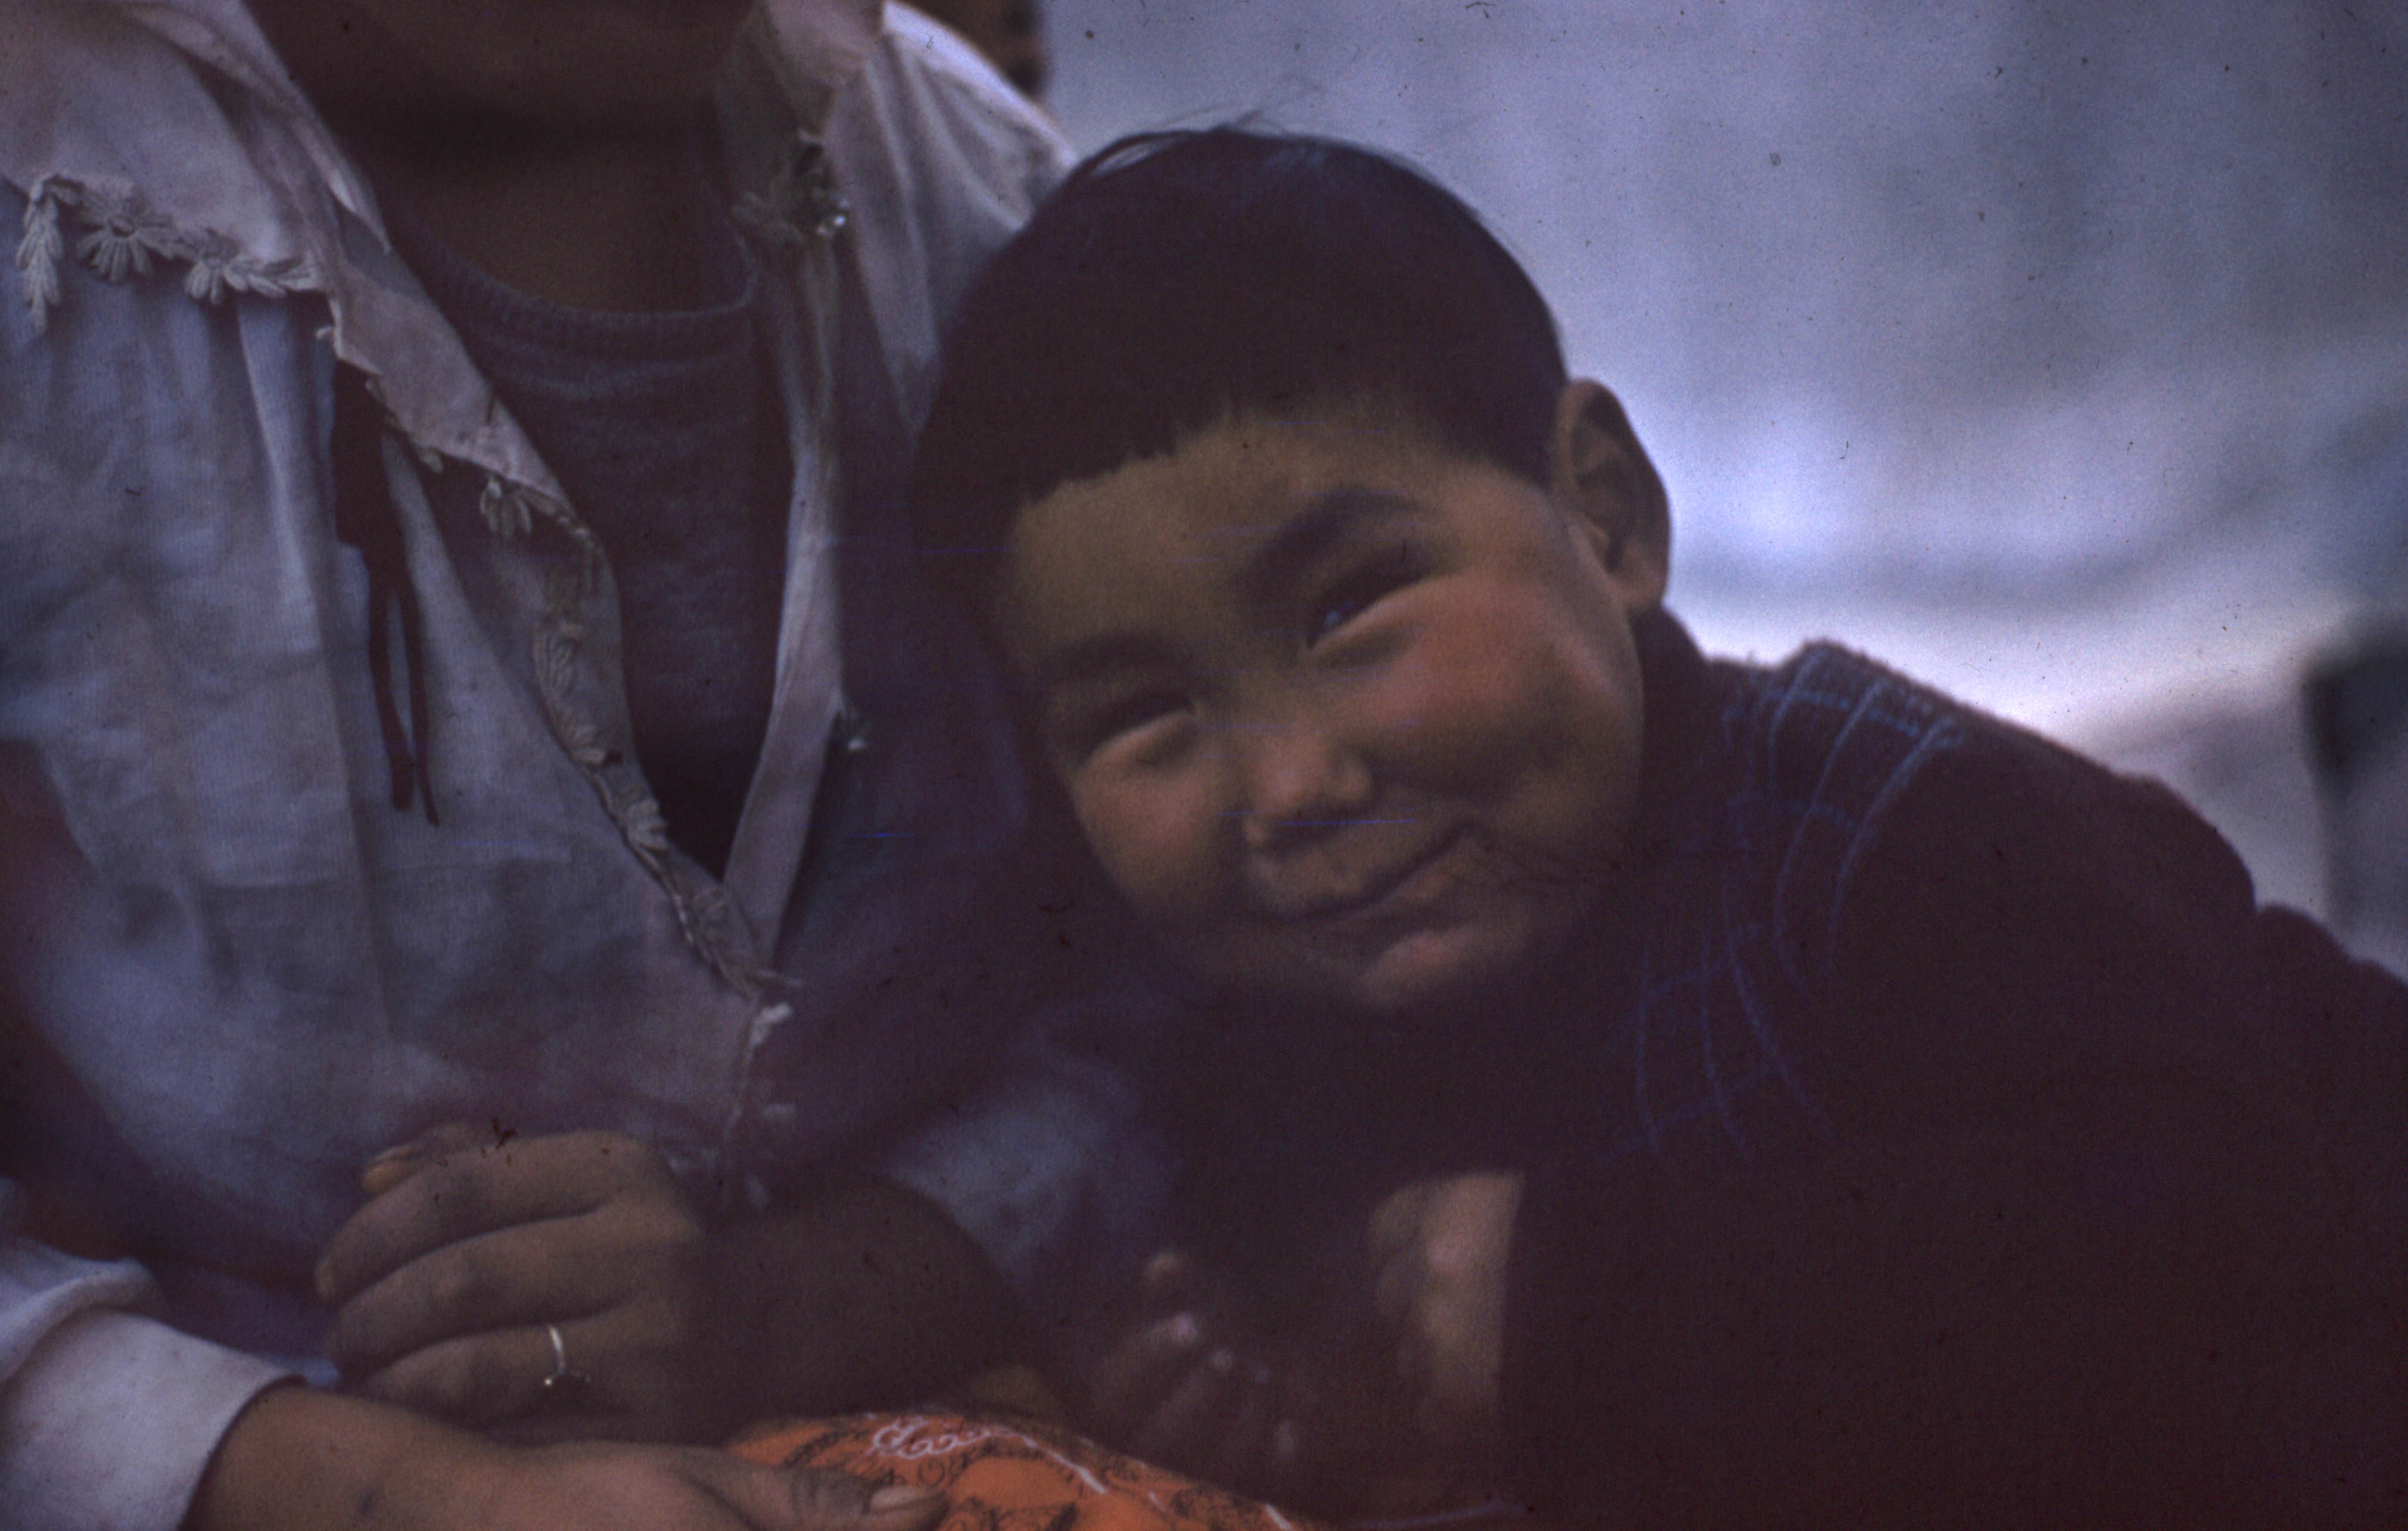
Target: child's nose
1299,781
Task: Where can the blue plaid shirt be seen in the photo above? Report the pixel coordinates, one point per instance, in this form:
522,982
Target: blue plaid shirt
1939,1133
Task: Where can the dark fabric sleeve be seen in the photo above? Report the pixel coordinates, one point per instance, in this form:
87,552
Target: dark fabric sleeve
2104,1226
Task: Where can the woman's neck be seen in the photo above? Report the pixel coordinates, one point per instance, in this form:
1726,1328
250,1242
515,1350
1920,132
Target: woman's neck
603,221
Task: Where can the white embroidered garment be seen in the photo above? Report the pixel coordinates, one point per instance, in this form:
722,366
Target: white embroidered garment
237,971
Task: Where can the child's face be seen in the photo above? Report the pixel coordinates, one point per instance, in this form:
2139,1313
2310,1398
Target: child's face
1344,713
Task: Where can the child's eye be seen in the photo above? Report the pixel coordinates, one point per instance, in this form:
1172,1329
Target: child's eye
1124,716
1360,589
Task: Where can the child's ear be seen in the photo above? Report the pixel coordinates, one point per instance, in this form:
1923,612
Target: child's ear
1603,480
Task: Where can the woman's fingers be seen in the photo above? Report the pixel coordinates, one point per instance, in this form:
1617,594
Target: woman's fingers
527,1276
830,1501
465,1331
398,1163
446,1283
769,1498
442,1196
483,1379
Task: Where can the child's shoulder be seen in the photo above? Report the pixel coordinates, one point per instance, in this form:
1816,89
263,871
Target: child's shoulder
1848,786
1795,761
1837,729
1844,741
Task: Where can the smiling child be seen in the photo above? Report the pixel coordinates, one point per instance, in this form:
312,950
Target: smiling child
1729,1096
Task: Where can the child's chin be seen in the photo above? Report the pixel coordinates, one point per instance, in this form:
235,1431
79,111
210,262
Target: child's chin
1436,971
1432,971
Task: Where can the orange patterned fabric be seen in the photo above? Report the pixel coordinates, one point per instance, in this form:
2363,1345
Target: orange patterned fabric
1013,1474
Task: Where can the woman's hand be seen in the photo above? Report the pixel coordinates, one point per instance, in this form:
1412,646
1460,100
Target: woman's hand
471,1249
471,1245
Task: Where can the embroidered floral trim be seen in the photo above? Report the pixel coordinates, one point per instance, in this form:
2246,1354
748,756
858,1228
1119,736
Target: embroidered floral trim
125,237
705,915
507,508
801,205
510,510
39,252
127,233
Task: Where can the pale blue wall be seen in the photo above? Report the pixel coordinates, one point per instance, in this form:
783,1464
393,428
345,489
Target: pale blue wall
2062,357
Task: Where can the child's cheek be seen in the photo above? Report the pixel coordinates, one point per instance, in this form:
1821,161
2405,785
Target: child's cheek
1154,838
1481,697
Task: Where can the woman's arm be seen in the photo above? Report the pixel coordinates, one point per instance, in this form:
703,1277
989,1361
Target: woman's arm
312,1461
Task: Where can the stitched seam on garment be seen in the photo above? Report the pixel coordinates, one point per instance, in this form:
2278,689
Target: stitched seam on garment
1754,1007
1944,734
1840,763
751,1109
1862,736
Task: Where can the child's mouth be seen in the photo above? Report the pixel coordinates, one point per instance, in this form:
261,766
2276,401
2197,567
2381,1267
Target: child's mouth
1376,905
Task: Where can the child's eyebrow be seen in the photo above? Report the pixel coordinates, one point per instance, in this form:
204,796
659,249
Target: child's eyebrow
1092,659
1339,515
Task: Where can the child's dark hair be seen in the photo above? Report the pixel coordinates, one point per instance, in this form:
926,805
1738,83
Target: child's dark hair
1179,280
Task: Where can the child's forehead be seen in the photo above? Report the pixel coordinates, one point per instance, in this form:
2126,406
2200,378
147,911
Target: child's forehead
1233,521
1272,453
1245,476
